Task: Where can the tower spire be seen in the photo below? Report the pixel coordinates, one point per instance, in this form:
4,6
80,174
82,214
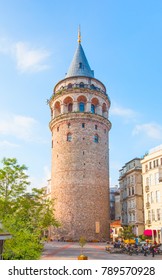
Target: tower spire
79,35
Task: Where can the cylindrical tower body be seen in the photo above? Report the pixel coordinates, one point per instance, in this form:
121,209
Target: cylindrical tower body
80,158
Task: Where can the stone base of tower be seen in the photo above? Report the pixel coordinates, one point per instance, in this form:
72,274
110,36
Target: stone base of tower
62,234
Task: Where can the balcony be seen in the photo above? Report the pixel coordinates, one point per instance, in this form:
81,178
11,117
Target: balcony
147,189
147,204
148,222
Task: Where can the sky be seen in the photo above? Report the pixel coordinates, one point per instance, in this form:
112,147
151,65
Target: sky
122,40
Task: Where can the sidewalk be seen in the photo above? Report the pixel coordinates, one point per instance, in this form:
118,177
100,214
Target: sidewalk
95,251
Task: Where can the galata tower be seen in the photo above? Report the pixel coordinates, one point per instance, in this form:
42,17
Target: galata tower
80,152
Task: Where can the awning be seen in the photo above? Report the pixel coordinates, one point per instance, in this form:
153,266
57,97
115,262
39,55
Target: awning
149,232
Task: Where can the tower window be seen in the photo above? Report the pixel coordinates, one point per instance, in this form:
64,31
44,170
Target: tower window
69,85
69,137
80,65
83,125
69,125
58,129
92,108
81,106
95,138
96,126
70,107
81,85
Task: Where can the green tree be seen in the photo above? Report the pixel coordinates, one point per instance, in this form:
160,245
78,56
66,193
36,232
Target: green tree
127,232
24,215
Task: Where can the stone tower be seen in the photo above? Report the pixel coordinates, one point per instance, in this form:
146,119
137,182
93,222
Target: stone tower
80,152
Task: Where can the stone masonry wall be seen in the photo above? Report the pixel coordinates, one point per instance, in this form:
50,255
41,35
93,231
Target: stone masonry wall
80,179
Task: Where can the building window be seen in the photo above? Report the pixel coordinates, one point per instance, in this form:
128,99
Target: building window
81,106
157,196
158,214
152,197
150,165
69,85
83,125
81,85
58,129
96,126
69,137
92,86
92,108
129,192
70,107
153,214
69,125
132,190
95,139
104,130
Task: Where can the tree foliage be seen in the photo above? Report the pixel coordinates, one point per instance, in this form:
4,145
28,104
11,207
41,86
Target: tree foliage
127,232
24,215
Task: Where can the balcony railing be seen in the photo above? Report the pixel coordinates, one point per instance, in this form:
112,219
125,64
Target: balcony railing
148,222
147,204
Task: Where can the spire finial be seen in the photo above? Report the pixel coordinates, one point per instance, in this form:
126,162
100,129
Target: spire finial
79,35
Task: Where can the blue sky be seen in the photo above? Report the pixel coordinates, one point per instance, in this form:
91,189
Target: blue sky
122,40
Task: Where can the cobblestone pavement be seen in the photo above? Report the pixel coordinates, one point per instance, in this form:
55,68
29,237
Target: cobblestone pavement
95,251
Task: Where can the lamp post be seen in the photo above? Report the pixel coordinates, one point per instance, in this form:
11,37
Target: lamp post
3,237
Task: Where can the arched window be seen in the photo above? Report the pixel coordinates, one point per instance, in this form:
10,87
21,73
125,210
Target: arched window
70,107
57,108
69,85
81,85
92,86
95,138
104,110
81,106
92,108
69,137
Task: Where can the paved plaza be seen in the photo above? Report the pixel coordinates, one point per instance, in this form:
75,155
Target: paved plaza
55,250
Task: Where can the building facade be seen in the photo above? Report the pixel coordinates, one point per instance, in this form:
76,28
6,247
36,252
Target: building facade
152,190
131,195
114,191
80,152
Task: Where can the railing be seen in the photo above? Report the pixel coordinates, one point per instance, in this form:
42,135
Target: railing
147,188
148,222
147,204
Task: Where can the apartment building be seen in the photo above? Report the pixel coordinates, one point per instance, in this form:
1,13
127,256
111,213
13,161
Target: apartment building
152,193
131,195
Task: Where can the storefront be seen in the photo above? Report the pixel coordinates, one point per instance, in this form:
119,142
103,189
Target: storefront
154,234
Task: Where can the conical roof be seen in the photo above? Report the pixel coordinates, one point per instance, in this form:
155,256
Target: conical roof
79,65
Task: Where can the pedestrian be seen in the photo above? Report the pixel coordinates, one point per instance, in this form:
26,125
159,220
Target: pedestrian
152,250
145,248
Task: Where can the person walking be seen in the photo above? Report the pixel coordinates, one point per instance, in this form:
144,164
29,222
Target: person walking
152,250
145,248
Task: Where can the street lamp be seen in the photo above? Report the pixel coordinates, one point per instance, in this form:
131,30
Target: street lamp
3,237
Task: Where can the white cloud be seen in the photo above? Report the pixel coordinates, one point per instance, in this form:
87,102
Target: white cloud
151,130
6,144
28,59
122,112
21,127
